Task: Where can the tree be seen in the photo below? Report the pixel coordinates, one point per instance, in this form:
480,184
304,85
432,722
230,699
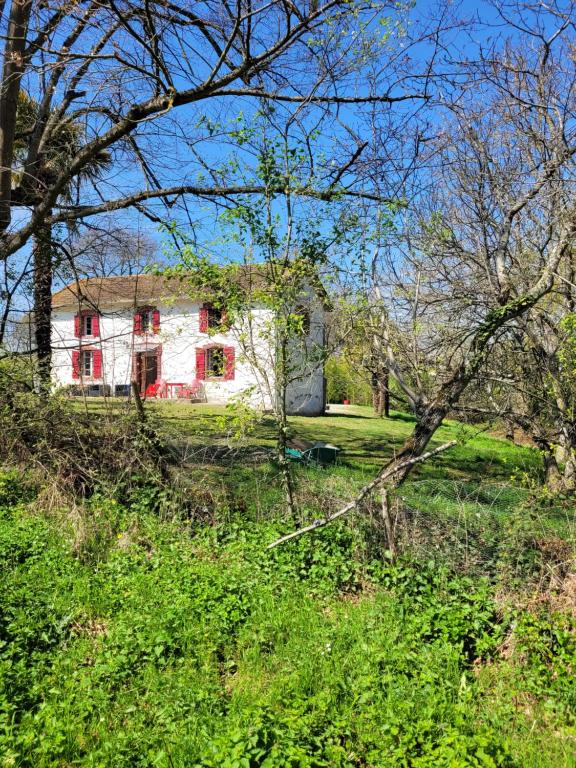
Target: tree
103,249
273,305
364,348
143,75
501,178
56,155
148,85
481,248
530,382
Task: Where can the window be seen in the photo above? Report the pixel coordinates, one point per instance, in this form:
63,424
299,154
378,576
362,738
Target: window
211,318
146,320
86,363
86,324
215,362
215,317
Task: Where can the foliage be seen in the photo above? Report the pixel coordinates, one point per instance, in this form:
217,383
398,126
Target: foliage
343,382
133,632
74,453
164,642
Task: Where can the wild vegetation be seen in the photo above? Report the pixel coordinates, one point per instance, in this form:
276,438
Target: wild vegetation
148,624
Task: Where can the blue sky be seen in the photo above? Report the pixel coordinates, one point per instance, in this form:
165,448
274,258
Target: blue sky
179,165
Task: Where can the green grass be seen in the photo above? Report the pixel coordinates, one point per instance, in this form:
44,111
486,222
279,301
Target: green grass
175,646
138,634
367,443
366,440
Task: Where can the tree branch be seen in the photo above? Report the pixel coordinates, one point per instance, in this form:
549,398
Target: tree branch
382,476
70,213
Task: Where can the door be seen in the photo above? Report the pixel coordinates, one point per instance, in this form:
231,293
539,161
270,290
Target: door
146,370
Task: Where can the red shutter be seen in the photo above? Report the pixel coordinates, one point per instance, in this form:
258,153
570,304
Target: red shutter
77,326
203,319
200,364
228,363
137,323
97,364
76,363
95,325
155,321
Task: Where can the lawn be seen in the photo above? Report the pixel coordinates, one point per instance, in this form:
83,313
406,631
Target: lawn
365,439
471,489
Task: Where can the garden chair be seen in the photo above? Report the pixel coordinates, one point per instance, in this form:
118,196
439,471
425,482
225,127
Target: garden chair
194,391
319,454
151,390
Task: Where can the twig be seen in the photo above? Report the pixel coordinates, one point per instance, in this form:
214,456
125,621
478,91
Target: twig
364,492
388,524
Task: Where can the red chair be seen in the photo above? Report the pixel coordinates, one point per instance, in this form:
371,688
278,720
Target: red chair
193,391
151,390
162,390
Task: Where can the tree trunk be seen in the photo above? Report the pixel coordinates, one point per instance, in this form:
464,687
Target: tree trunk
375,399
375,393
552,475
9,90
565,455
283,429
510,431
43,275
385,394
429,421
381,394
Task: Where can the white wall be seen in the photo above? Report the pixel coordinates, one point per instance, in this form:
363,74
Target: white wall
305,392
179,336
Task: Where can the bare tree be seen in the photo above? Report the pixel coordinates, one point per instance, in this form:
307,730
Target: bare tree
102,249
484,244
530,383
151,82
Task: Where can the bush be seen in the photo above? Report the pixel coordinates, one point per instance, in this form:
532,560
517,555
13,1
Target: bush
346,383
73,452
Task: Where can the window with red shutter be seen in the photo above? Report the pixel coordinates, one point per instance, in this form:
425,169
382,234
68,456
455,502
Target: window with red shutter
200,364
215,318
84,363
229,355
212,318
215,362
146,320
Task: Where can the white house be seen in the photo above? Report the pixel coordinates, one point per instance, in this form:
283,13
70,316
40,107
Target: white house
108,332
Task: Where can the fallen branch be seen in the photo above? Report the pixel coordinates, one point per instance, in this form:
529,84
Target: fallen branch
382,477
